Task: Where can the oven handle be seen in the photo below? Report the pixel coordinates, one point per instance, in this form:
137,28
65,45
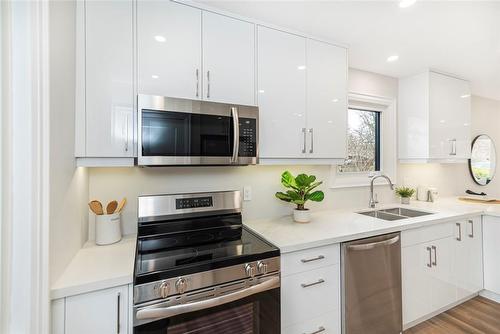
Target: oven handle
166,312
236,128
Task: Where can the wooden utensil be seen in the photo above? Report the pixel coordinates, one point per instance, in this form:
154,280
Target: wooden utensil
111,207
96,207
121,205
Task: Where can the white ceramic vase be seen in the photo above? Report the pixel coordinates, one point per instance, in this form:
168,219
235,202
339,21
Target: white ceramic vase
405,200
302,216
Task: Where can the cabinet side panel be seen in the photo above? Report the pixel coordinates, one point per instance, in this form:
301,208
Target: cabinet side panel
80,81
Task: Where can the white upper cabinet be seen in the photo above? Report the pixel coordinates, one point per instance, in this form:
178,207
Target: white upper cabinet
105,100
169,49
326,100
228,59
434,118
281,63
302,96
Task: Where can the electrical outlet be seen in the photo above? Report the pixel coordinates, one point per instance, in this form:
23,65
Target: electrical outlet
247,193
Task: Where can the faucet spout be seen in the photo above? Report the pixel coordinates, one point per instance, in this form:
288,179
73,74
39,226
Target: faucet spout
373,201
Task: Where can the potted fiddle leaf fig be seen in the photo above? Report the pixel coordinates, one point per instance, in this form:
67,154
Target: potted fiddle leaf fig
405,193
300,191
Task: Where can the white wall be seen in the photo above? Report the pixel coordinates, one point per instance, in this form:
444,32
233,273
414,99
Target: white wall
68,184
106,184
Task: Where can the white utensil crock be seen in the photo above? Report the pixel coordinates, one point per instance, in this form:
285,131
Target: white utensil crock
301,216
107,229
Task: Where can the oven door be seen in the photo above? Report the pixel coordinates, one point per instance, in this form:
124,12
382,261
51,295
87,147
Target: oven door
255,313
189,132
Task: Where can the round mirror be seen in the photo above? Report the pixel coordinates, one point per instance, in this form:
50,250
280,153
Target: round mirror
482,162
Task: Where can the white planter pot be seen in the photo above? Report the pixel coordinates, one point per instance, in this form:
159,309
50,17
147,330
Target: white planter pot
302,216
405,200
107,229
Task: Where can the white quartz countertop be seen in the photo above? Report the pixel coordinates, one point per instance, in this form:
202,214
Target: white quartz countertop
328,227
97,267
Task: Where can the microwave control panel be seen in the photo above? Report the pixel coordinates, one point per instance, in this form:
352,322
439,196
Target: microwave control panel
248,137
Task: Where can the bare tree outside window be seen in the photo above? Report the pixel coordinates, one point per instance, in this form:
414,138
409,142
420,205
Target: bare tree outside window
363,142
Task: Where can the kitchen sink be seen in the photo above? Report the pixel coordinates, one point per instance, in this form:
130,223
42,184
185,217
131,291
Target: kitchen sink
394,213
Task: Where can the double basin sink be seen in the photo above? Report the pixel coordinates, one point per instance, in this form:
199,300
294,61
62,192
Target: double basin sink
394,213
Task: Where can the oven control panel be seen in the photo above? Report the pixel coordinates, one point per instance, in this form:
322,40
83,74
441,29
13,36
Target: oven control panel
193,202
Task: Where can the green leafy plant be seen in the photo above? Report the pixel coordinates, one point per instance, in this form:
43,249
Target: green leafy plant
405,192
301,189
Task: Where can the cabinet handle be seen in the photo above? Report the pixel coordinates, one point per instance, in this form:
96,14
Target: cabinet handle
430,257
306,285
435,256
118,297
319,257
197,82
453,147
319,330
208,84
126,133
312,140
471,234
304,139
459,238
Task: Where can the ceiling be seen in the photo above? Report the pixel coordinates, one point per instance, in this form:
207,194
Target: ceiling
459,37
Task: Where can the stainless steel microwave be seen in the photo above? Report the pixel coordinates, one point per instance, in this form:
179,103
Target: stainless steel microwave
173,132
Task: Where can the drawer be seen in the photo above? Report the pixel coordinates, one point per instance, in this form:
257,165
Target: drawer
309,259
425,234
328,323
308,295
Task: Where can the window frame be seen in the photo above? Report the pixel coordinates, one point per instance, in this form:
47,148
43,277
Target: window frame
388,142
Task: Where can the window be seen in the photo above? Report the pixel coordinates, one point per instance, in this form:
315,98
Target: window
363,142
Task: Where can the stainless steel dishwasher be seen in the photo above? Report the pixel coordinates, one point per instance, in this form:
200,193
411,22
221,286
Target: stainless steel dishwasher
371,285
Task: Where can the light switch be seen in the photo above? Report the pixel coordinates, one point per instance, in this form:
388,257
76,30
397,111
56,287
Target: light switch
247,193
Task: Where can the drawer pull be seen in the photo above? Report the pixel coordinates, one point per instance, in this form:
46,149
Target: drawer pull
320,257
320,329
306,285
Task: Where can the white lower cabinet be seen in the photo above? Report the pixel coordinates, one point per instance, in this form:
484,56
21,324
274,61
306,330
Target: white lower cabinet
310,297
441,265
102,311
491,231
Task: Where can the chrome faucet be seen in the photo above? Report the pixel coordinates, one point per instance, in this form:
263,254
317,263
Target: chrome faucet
373,201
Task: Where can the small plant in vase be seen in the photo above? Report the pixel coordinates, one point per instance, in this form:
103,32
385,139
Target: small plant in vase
405,193
301,191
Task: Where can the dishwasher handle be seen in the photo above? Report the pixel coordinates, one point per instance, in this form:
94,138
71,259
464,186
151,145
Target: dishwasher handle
372,245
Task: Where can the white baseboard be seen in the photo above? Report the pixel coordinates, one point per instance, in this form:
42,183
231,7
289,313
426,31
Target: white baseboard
490,295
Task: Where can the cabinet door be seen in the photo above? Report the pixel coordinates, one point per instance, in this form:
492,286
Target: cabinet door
450,117
281,63
468,268
416,279
228,59
442,284
169,49
103,311
109,92
491,248
326,100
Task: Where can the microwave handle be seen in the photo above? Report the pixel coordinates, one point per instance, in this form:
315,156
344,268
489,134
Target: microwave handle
236,128
167,312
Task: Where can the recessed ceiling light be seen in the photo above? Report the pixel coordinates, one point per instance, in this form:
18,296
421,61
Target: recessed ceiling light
301,67
261,91
160,38
406,3
335,100
465,96
392,58
154,76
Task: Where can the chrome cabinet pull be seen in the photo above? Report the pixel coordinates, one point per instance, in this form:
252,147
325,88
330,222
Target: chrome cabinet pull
434,263
430,257
197,82
453,147
306,285
319,257
312,140
304,143
471,234
208,84
459,238
126,133
319,330
118,297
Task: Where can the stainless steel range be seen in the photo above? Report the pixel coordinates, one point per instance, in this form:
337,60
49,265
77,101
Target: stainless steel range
198,270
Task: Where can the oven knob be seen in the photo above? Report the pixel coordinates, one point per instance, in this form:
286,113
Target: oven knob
181,285
250,270
262,267
164,289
